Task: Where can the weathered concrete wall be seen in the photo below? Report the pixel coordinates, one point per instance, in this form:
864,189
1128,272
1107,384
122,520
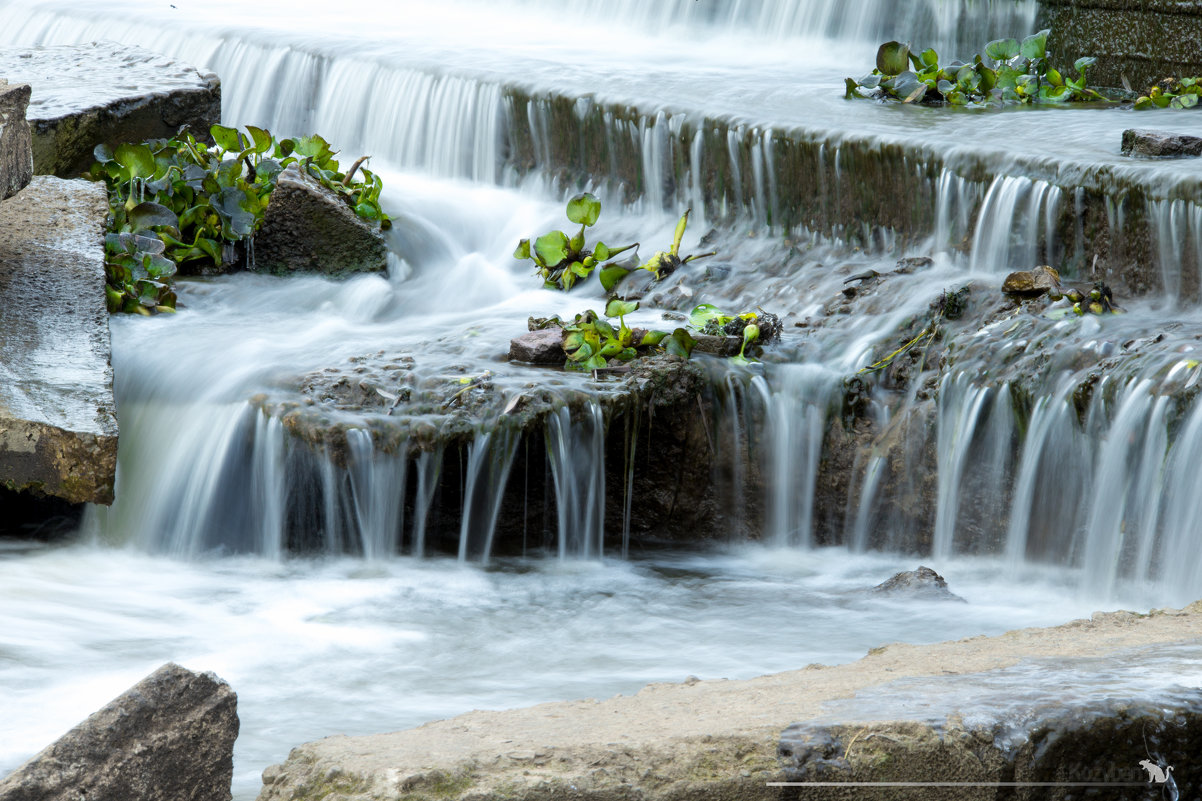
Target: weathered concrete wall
722,740
58,428
1144,40
104,92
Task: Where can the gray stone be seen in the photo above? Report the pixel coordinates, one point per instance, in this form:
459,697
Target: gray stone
1160,144
920,583
717,346
16,152
104,92
170,737
538,347
309,228
58,429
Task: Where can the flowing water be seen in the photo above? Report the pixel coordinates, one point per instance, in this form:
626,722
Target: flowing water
1082,508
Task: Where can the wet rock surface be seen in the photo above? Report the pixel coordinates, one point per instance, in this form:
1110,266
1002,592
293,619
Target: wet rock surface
922,583
308,228
16,151
544,346
170,737
993,709
1160,144
104,92
58,428
1031,283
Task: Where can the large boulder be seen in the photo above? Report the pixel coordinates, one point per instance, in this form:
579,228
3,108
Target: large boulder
1031,283
309,228
170,737
544,346
86,94
16,151
1159,144
58,424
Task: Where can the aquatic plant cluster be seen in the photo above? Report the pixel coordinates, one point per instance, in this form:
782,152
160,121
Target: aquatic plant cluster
1178,93
590,340
1010,72
180,202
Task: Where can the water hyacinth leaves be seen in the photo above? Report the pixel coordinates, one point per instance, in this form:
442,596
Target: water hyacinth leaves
200,201
751,332
1177,93
563,261
663,264
591,342
1011,72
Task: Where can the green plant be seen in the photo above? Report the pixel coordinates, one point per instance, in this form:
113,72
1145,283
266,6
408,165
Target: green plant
752,326
1020,73
591,341
562,260
661,265
200,201
1171,93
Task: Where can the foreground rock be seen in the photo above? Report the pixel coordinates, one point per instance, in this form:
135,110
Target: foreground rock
921,583
58,429
1160,144
723,740
308,228
170,737
16,153
87,94
1031,283
544,346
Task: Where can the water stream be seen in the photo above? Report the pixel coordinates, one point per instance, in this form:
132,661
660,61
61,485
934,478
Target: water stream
1083,503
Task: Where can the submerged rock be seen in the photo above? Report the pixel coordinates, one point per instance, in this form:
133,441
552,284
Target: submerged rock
544,346
920,583
170,737
1159,144
309,228
1031,283
16,151
105,92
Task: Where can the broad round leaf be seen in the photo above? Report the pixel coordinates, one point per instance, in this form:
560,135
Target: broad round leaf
226,138
552,248
138,159
611,276
1003,49
261,138
620,308
1035,46
584,209
893,58
148,214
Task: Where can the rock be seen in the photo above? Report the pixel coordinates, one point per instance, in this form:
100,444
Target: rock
912,264
718,346
58,427
1031,283
538,347
87,94
1159,144
309,228
920,583
957,711
170,737
16,150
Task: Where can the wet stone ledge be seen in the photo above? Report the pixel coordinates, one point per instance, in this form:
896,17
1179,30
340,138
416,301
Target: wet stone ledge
104,92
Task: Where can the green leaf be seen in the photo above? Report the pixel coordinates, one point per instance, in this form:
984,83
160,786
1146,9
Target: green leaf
652,338
577,242
601,252
552,248
1036,45
522,251
261,138
149,214
1054,77
680,343
620,308
1083,63
893,58
226,138
1001,50
870,81
138,159
584,209
102,153
679,235
852,89
968,79
929,57
611,276
580,269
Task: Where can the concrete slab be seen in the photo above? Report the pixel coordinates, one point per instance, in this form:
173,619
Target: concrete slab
106,92
58,427
1074,703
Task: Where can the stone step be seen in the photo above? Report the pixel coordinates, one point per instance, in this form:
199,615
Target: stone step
58,427
16,154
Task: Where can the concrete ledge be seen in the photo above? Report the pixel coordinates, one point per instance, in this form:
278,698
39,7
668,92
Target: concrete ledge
84,95
16,157
58,429
723,739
